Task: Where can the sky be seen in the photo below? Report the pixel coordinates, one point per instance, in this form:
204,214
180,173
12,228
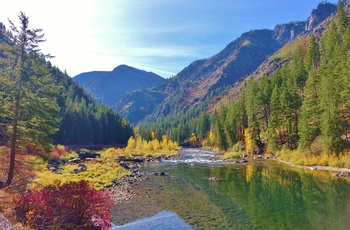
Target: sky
161,36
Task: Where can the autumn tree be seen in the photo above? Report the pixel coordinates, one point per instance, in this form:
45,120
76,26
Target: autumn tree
29,108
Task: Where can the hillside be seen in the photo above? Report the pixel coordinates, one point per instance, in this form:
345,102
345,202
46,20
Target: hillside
108,86
295,105
206,81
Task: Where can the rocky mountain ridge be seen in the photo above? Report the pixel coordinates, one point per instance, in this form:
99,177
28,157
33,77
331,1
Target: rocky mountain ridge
108,86
196,83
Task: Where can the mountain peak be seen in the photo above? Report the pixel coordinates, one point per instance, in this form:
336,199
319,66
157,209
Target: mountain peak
108,86
124,67
318,15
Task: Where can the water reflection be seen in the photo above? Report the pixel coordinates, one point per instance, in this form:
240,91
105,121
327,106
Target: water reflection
257,195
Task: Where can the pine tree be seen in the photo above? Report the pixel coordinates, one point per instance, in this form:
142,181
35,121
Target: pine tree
332,126
309,125
312,60
252,105
298,71
342,20
29,94
274,120
218,129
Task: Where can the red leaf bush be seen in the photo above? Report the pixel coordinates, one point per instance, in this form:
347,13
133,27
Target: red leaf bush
73,205
58,151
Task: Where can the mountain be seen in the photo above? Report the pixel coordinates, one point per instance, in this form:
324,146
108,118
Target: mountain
108,86
208,80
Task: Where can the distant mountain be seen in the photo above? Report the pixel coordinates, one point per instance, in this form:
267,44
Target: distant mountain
108,86
207,81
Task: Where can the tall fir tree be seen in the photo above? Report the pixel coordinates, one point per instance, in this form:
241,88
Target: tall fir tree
29,94
252,106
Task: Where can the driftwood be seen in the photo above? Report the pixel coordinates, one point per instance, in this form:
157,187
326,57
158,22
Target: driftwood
122,158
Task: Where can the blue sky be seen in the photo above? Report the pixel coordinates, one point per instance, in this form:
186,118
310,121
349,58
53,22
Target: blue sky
162,36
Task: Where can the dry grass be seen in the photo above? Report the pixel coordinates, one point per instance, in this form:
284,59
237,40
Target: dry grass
307,159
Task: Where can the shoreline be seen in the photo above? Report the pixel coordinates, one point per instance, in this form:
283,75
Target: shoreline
123,191
138,191
337,172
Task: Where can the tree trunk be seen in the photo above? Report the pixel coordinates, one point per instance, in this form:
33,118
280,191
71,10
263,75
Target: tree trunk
13,142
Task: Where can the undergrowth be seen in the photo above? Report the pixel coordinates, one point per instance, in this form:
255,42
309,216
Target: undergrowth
307,159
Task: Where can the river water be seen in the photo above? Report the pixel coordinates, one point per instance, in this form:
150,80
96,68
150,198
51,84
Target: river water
260,194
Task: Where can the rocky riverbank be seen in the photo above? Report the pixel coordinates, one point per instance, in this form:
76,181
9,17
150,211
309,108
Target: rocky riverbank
337,172
122,189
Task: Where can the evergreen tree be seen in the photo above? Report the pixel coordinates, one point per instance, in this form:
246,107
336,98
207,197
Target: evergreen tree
312,55
29,96
298,71
218,129
342,20
252,106
332,126
309,125
274,120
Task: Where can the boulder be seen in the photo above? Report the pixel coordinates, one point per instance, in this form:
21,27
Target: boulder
80,168
84,155
54,165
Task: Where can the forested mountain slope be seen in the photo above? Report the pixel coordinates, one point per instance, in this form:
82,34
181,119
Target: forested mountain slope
108,86
206,81
82,119
296,100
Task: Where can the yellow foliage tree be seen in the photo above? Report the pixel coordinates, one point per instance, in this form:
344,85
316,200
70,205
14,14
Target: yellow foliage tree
153,135
249,144
131,143
164,142
193,139
156,144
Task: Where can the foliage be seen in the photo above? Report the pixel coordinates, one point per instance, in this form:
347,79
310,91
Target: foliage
29,110
154,147
73,205
100,173
58,151
302,105
25,165
236,151
332,160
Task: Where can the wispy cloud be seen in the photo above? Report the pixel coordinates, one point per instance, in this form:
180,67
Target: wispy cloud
153,69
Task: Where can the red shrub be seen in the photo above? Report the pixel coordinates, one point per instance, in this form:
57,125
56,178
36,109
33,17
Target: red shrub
58,151
73,205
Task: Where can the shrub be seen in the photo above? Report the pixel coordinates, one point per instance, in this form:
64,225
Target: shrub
58,151
73,205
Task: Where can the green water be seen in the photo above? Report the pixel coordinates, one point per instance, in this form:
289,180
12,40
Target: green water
257,195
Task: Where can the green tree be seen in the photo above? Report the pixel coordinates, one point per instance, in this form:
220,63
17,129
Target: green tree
274,120
312,61
298,71
342,20
219,130
309,124
333,75
29,96
253,105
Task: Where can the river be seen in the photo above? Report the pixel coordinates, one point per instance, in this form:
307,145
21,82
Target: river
260,194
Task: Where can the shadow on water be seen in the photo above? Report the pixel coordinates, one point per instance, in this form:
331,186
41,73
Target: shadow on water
256,195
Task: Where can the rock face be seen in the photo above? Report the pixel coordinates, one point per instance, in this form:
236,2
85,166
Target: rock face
323,11
287,32
198,82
